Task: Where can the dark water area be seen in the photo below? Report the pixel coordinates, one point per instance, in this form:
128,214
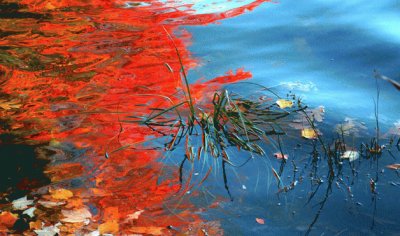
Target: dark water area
21,169
275,133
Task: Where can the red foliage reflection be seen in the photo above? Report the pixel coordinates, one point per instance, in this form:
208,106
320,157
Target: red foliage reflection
73,72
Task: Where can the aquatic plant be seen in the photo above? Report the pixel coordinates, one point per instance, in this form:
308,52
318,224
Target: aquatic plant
227,120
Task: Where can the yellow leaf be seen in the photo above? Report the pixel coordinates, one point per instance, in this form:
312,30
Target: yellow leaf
283,103
61,194
109,227
152,230
308,133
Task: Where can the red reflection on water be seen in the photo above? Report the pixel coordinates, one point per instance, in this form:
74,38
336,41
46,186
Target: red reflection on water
77,73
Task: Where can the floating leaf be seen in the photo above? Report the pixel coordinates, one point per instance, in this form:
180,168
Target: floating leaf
260,221
30,212
109,227
350,155
394,166
49,230
279,155
21,203
152,230
35,224
94,233
309,133
7,219
283,103
76,216
49,204
75,203
61,194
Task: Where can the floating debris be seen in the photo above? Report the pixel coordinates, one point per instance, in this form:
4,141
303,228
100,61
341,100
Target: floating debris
109,227
279,155
309,133
260,221
393,166
48,230
76,215
30,212
283,103
61,194
22,203
50,204
350,155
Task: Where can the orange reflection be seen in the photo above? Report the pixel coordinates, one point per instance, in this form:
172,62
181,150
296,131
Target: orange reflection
76,70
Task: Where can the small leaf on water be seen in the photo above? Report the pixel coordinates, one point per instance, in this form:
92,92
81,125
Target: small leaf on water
308,133
152,230
30,212
350,155
109,227
283,103
260,221
50,204
76,215
21,203
7,219
394,166
48,230
61,194
35,224
279,155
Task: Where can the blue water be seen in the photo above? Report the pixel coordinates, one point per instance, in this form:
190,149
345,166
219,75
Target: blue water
330,47
326,52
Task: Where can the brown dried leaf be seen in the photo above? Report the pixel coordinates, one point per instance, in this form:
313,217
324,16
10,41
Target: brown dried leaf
393,166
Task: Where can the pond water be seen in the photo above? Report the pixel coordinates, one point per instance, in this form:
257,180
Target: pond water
94,95
325,52
326,49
